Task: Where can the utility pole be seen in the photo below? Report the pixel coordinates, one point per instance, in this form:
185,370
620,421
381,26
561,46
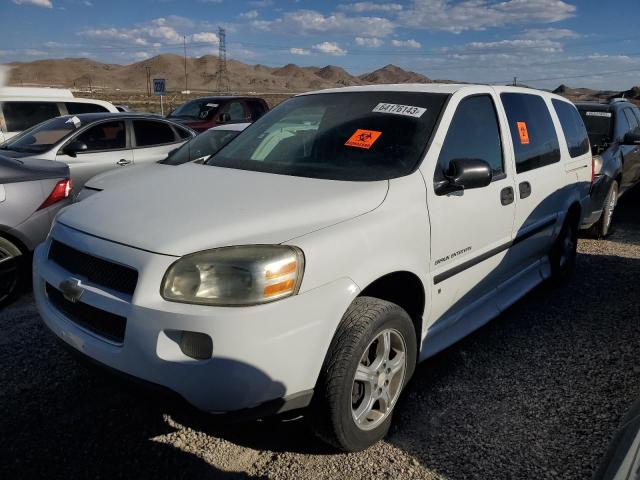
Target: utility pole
515,81
184,42
148,69
222,75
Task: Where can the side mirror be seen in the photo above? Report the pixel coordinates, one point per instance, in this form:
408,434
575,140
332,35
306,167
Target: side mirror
631,138
225,117
170,154
75,147
464,174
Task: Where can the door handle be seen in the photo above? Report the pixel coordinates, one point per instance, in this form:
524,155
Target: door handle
122,162
525,189
506,196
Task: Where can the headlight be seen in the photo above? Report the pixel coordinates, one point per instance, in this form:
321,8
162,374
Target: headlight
233,276
597,164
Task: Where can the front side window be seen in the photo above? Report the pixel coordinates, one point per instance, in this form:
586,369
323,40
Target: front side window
149,133
44,136
202,146
75,108
573,128
631,118
105,136
23,115
357,136
534,136
473,133
235,111
257,109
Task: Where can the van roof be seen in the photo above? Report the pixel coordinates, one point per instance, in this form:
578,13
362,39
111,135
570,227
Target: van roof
40,92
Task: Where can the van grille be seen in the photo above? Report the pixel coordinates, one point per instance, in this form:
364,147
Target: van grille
105,324
98,271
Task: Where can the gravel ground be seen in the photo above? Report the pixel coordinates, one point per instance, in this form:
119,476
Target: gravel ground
537,393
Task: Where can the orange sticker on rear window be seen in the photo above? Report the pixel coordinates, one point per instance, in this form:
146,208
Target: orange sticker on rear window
524,134
363,138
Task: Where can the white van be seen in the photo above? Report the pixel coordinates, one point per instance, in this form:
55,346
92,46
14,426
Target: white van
312,262
23,107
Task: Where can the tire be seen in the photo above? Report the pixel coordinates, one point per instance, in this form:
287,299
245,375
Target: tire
12,271
601,228
339,397
562,256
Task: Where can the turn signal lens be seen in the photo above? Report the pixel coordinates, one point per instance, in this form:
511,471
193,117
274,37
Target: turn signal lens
279,288
61,191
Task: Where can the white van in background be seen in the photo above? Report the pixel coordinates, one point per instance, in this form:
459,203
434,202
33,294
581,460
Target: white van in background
23,107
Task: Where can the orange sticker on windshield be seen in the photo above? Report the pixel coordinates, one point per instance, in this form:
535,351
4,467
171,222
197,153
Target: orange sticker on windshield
523,132
363,138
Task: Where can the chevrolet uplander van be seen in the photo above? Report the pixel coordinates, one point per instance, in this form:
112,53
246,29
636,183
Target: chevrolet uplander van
342,238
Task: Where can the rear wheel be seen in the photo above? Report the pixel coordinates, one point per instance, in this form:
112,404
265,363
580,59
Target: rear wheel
601,228
562,256
371,358
12,271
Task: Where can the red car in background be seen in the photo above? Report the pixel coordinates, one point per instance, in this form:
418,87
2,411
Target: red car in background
207,112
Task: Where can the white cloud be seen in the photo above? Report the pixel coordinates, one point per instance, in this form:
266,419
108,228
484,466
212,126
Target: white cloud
330,48
549,33
411,43
365,7
299,51
307,22
261,3
140,56
205,37
482,14
37,3
370,42
251,14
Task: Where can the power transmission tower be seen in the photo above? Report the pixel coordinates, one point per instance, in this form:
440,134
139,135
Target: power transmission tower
222,75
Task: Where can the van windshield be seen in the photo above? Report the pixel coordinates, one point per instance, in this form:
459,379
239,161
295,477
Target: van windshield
358,136
196,110
44,136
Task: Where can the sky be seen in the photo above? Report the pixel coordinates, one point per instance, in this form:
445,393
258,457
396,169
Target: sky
581,43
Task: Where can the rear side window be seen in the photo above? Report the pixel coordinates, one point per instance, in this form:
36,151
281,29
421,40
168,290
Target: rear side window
182,133
473,133
75,108
22,115
256,108
105,136
149,133
534,136
573,128
631,118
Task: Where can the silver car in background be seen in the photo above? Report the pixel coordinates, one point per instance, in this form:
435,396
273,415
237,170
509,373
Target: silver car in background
93,143
31,194
196,150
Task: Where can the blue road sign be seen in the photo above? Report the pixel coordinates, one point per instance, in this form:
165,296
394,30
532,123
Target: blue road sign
159,86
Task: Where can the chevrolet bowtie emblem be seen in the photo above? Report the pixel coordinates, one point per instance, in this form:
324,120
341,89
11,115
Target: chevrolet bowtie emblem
71,289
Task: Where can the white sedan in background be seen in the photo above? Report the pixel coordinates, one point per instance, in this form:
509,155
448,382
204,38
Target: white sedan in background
196,150
93,143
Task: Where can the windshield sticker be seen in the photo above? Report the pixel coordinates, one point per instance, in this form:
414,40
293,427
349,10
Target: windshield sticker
599,114
406,110
523,132
75,120
363,138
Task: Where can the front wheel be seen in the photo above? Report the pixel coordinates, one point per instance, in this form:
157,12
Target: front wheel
562,256
601,228
12,271
370,360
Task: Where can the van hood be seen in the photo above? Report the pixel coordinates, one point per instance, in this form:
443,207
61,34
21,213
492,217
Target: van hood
189,208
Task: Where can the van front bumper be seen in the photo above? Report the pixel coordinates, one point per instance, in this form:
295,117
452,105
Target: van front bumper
260,353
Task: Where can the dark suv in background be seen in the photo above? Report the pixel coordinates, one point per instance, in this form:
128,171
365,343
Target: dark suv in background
204,113
614,133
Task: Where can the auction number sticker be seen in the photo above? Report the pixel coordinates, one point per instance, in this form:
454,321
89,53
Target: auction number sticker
363,138
523,133
394,108
599,114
